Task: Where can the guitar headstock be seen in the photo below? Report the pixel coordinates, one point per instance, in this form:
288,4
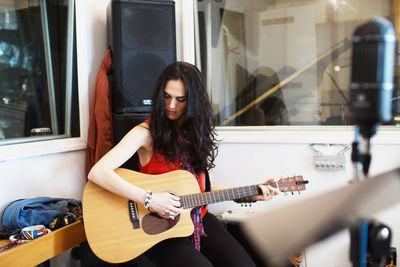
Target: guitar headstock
291,184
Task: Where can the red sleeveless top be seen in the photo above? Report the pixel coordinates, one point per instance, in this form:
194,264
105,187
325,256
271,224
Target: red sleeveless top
160,165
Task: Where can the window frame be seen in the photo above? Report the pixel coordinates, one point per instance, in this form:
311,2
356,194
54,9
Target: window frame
301,135
37,146
282,134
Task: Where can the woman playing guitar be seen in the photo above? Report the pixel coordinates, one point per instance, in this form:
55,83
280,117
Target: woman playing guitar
179,135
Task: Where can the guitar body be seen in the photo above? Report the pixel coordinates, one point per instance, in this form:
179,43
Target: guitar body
107,217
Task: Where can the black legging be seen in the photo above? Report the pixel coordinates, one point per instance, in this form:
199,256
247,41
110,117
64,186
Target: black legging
218,248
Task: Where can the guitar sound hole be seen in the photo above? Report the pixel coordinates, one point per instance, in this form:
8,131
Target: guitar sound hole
153,224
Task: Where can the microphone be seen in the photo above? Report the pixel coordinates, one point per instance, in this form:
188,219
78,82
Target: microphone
371,82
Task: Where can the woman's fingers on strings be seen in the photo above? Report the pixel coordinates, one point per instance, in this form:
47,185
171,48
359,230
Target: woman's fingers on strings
175,203
174,197
174,200
273,190
175,209
267,192
174,212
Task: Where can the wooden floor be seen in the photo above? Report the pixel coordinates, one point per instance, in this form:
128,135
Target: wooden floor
43,248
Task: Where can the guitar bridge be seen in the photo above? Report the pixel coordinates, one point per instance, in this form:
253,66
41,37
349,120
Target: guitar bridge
134,214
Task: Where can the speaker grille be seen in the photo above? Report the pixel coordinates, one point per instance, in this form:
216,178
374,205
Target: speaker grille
142,26
139,76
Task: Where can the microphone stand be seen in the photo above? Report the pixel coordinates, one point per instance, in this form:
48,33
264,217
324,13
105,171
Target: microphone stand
369,240
369,243
362,159
355,156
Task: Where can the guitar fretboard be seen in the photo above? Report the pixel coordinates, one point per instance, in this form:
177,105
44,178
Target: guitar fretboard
200,199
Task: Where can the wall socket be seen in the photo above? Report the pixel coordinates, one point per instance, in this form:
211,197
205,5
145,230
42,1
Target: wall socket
329,162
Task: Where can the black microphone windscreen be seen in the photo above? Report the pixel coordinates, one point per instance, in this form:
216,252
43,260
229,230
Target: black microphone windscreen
372,72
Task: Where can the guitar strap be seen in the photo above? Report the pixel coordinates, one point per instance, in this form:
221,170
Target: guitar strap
208,185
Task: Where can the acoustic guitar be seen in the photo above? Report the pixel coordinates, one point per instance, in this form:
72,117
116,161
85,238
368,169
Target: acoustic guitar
119,229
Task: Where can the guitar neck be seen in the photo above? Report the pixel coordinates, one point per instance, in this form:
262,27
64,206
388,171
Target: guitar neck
200,199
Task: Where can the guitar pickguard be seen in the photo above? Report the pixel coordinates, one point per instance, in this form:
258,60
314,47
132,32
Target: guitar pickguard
152,224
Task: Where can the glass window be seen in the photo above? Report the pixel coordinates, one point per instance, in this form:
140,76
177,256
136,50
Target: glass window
283,62
38,79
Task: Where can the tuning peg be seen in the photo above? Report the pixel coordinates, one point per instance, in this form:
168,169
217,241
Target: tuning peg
292,193
302,182
299,192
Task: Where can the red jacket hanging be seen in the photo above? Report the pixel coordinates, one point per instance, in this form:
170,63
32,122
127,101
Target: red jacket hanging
100,133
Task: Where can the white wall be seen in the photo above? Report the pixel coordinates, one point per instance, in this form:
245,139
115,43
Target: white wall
251,157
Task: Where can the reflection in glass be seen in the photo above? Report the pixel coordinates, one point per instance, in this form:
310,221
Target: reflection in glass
25,50
282,62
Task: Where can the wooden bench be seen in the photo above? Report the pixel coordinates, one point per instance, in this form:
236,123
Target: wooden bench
44,247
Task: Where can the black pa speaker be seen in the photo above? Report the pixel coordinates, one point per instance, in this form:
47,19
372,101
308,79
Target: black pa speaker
122,124
141,35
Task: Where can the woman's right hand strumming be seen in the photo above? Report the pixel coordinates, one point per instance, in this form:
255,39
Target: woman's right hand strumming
166,205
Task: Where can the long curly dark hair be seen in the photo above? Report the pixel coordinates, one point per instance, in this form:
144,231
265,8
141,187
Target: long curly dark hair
197,125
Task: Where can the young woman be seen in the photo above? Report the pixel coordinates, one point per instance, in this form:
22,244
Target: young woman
179,135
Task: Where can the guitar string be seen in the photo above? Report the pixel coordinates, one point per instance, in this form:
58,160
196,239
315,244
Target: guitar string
199,199
219,196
